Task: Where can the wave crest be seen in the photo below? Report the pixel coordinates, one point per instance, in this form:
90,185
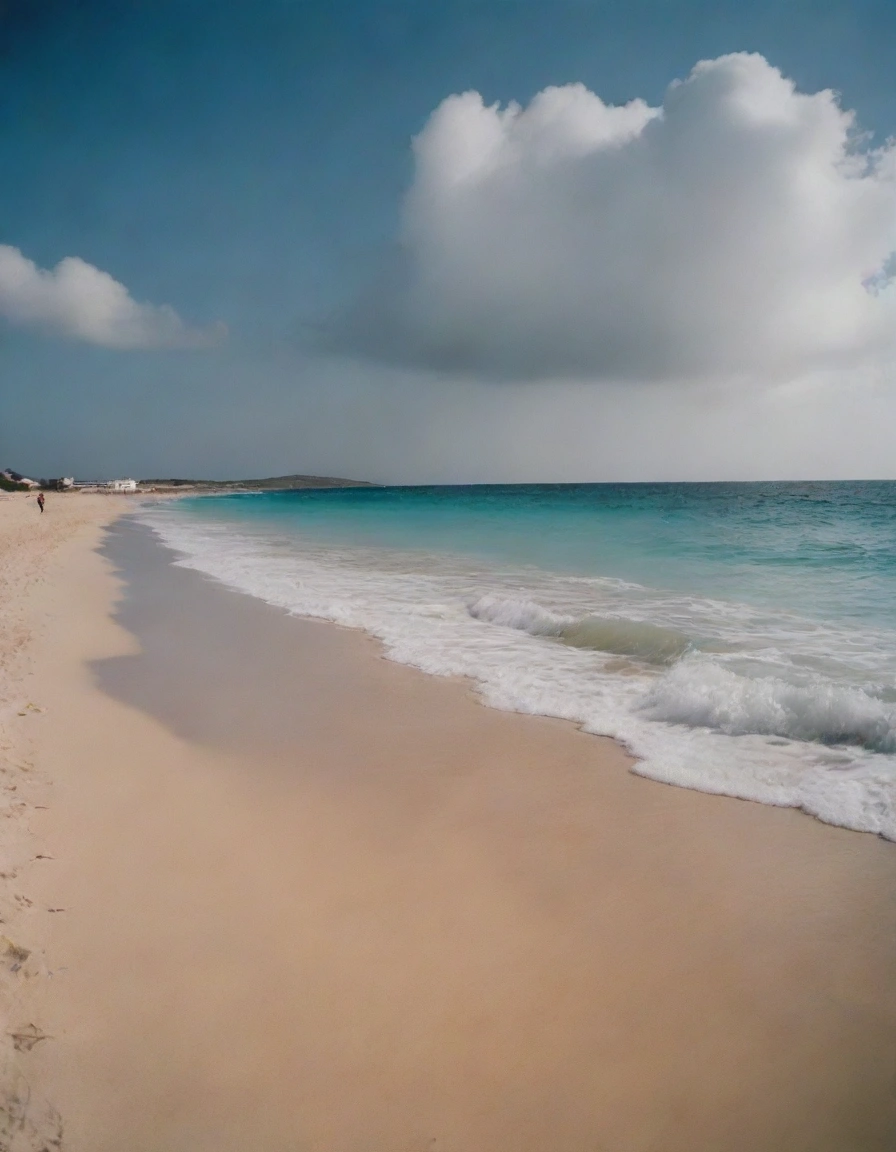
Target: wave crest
619,636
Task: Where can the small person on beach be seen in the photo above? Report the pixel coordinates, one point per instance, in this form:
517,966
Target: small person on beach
40,501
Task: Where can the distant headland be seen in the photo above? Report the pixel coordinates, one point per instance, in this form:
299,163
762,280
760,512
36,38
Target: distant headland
270,483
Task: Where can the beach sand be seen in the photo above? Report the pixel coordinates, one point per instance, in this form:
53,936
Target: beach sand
289,896
35,554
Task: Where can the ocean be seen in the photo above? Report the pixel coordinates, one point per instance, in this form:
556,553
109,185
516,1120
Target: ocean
737,638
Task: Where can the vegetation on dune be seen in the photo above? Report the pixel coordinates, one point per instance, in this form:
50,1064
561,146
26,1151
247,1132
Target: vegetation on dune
12,485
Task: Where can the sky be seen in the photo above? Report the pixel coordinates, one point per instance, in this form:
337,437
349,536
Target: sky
448,242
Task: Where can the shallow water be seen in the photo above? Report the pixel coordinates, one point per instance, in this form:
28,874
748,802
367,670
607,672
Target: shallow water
739,638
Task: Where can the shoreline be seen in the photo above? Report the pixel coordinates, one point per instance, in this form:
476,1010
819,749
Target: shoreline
476,691
315,896
760,704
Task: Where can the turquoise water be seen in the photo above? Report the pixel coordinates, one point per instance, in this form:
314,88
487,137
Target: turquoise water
827,549
740,638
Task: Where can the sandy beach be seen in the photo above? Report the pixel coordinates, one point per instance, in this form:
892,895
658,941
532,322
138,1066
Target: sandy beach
263,889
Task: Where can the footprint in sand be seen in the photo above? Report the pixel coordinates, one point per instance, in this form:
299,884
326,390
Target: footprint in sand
25,1038
29,708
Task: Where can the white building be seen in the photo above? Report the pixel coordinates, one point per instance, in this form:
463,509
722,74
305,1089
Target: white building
122,486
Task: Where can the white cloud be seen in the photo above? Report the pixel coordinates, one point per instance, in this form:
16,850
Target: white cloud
744,228
76,299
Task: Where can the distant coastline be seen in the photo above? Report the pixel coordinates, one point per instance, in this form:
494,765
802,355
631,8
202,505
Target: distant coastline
269,484
15,482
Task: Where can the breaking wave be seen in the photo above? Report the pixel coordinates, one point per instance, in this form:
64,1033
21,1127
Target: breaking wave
702,693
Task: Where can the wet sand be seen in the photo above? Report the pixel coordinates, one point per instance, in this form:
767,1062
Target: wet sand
313,900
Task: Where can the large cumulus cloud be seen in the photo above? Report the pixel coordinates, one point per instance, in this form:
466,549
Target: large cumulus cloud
742,228
77,300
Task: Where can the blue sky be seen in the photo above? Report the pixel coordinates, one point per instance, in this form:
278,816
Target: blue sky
247,164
